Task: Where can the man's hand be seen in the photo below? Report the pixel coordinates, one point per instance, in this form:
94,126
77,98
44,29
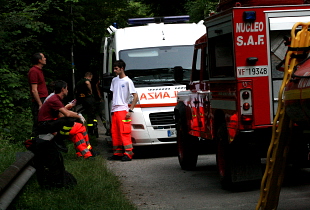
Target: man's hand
128,115
82,118
69,106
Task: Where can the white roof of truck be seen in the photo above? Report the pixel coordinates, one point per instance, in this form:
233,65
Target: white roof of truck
158,34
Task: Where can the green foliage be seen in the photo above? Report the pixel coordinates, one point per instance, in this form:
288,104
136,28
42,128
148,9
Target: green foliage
200,9
8,152
166,7
19,29
97,189
54,27
139,9
15,116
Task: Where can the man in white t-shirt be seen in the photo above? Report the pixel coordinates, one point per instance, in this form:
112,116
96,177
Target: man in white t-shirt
122,88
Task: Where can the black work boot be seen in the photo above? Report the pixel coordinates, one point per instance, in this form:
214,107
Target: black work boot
126,158
115,157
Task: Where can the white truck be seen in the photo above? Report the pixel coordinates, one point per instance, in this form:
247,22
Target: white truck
155,52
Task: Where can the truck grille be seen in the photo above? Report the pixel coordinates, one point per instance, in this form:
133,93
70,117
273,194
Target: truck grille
162,120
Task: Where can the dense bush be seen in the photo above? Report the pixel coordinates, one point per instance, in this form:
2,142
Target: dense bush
59,29
15,121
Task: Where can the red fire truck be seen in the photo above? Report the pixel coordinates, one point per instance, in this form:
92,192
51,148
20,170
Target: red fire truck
232,97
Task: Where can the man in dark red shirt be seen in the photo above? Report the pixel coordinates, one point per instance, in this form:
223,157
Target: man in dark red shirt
57,123
53,115
38,89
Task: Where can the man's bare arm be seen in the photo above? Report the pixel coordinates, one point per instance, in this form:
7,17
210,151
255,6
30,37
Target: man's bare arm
35,93
133,104
134,101
68,113
89,86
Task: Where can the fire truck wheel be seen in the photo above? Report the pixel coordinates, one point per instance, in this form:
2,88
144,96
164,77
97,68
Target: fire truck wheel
187,149
222,157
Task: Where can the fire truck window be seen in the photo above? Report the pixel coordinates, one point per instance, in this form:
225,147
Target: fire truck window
196,66
278,51
221,56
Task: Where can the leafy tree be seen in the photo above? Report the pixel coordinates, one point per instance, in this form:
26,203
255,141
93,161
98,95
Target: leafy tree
19,30
54,27
166,7
200,9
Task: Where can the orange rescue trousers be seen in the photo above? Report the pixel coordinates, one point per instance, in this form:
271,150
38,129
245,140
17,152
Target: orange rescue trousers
67,128
121,134
78,135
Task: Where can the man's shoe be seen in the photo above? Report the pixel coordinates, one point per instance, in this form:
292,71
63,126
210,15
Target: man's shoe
115,157
126,158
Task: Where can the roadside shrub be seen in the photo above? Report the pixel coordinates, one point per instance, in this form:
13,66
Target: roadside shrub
15,121
97,189
8,152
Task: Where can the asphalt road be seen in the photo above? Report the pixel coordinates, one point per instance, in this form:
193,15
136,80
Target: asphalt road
154,180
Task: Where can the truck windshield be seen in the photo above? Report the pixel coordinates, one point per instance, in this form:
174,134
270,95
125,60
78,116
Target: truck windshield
156,64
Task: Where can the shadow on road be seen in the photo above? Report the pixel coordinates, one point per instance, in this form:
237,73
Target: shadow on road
155,151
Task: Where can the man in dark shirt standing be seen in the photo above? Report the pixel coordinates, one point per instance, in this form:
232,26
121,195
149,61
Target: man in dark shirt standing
85,97
38,89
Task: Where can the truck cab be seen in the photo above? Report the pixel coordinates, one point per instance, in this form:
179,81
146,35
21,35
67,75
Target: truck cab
232,97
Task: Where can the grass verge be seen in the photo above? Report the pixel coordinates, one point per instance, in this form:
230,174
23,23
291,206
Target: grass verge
97,187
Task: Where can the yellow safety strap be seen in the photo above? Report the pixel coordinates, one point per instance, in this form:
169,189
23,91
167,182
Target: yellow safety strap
65,130
64,133
278,148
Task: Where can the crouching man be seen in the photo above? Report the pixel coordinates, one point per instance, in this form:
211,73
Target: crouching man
57,123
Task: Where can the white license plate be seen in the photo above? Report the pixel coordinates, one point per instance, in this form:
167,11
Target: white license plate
252,71
172,133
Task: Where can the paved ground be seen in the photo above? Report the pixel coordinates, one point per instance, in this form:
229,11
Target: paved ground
154,180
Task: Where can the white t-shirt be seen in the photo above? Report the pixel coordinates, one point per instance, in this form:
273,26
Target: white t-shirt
122,90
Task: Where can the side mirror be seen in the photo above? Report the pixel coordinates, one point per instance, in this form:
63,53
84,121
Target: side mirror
178,74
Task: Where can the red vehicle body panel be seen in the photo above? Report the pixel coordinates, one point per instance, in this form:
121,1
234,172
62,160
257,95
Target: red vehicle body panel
250,40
